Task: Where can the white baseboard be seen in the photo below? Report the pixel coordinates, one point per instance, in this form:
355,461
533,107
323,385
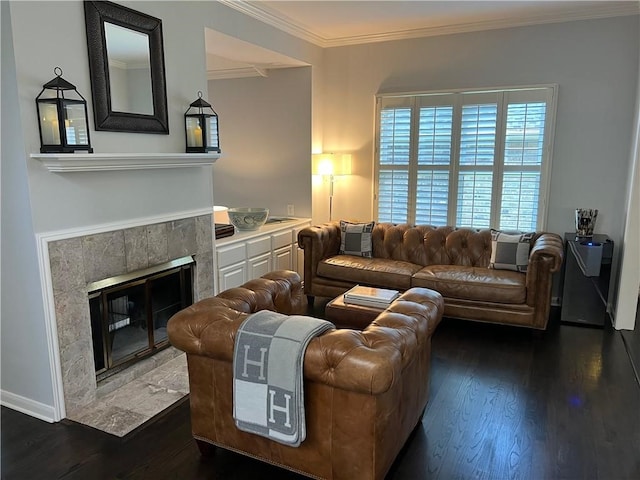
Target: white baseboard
27,406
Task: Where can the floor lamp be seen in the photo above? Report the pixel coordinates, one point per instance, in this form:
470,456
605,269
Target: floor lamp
331,166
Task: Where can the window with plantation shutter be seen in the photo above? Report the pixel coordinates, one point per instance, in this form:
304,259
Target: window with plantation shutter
467,158
393,178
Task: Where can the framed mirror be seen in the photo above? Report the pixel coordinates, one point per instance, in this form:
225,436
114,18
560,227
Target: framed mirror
126,65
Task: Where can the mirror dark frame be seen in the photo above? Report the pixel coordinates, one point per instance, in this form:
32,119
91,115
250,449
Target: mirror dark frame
95,14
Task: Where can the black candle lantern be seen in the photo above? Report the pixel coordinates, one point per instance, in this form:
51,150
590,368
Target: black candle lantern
63,122
201,127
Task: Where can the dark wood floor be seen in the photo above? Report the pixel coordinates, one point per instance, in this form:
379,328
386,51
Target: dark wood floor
505,403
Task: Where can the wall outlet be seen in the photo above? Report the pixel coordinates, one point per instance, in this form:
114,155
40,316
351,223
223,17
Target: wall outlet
290,210
556,301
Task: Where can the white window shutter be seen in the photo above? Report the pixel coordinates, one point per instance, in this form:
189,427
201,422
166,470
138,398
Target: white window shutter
478,158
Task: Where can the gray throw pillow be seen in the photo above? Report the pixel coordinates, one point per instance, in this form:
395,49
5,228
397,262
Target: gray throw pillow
510,251
355,238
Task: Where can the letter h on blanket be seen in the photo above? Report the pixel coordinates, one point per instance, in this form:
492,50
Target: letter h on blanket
268,397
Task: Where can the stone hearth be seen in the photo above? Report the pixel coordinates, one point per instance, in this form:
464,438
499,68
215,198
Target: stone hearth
128,407
77,261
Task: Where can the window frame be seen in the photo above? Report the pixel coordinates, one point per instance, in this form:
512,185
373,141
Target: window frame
504,97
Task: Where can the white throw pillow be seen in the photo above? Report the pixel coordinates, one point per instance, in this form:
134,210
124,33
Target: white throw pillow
510,251
355,239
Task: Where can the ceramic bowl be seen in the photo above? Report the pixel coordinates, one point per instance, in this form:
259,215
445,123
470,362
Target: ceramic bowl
248,218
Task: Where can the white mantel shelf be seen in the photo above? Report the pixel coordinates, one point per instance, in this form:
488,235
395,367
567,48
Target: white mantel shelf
96,162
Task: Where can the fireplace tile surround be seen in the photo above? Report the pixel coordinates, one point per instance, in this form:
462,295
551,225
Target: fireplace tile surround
75,262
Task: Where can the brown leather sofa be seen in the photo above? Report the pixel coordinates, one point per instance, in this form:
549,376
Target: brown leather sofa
365,391
451,261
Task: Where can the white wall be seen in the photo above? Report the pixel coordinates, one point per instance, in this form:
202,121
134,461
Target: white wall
629,290
265,131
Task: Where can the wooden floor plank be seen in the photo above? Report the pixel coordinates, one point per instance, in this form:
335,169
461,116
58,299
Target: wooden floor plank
505,403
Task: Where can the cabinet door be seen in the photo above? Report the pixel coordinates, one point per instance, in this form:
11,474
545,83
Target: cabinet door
259,266
283,258
231,254
232,276
281,239
258,246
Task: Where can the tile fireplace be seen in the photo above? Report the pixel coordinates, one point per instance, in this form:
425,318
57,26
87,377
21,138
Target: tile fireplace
79,263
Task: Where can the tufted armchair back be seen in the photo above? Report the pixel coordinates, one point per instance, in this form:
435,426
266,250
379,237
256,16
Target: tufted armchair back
280,291
427,245
364,391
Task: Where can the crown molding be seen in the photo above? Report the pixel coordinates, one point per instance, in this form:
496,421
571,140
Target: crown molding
241,72
281,22
286,24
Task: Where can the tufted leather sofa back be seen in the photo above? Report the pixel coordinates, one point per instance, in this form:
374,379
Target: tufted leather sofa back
427,245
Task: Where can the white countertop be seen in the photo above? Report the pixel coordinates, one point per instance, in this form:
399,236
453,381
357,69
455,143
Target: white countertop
267,228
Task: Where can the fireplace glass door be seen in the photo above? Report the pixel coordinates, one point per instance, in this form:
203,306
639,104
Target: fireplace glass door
129,320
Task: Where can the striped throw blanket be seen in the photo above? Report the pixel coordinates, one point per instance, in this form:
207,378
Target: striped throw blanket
268,397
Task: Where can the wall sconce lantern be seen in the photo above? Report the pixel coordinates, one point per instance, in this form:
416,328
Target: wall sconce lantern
331,166
201,127
63,122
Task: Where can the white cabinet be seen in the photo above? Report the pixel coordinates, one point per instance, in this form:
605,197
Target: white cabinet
248,255
231,276
258,256
283,259
281,239
232,266
259,265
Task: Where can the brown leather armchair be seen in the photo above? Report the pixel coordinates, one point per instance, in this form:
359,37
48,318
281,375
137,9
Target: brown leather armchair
365,391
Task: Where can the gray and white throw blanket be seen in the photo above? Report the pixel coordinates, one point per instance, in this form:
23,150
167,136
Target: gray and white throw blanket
268,397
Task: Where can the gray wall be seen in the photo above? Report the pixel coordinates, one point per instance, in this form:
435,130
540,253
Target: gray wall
23,332
594,62
53,197
81,199
37,201
265,131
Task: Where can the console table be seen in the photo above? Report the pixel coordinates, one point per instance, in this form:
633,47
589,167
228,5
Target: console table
587,271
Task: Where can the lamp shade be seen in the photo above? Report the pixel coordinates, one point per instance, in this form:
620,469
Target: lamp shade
342,164
322,164
221,214
331,164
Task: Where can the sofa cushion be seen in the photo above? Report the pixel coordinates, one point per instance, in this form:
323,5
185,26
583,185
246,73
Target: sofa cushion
510,251
355,238
473,283
384,273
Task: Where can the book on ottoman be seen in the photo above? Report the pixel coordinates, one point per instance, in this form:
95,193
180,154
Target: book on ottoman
370,296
